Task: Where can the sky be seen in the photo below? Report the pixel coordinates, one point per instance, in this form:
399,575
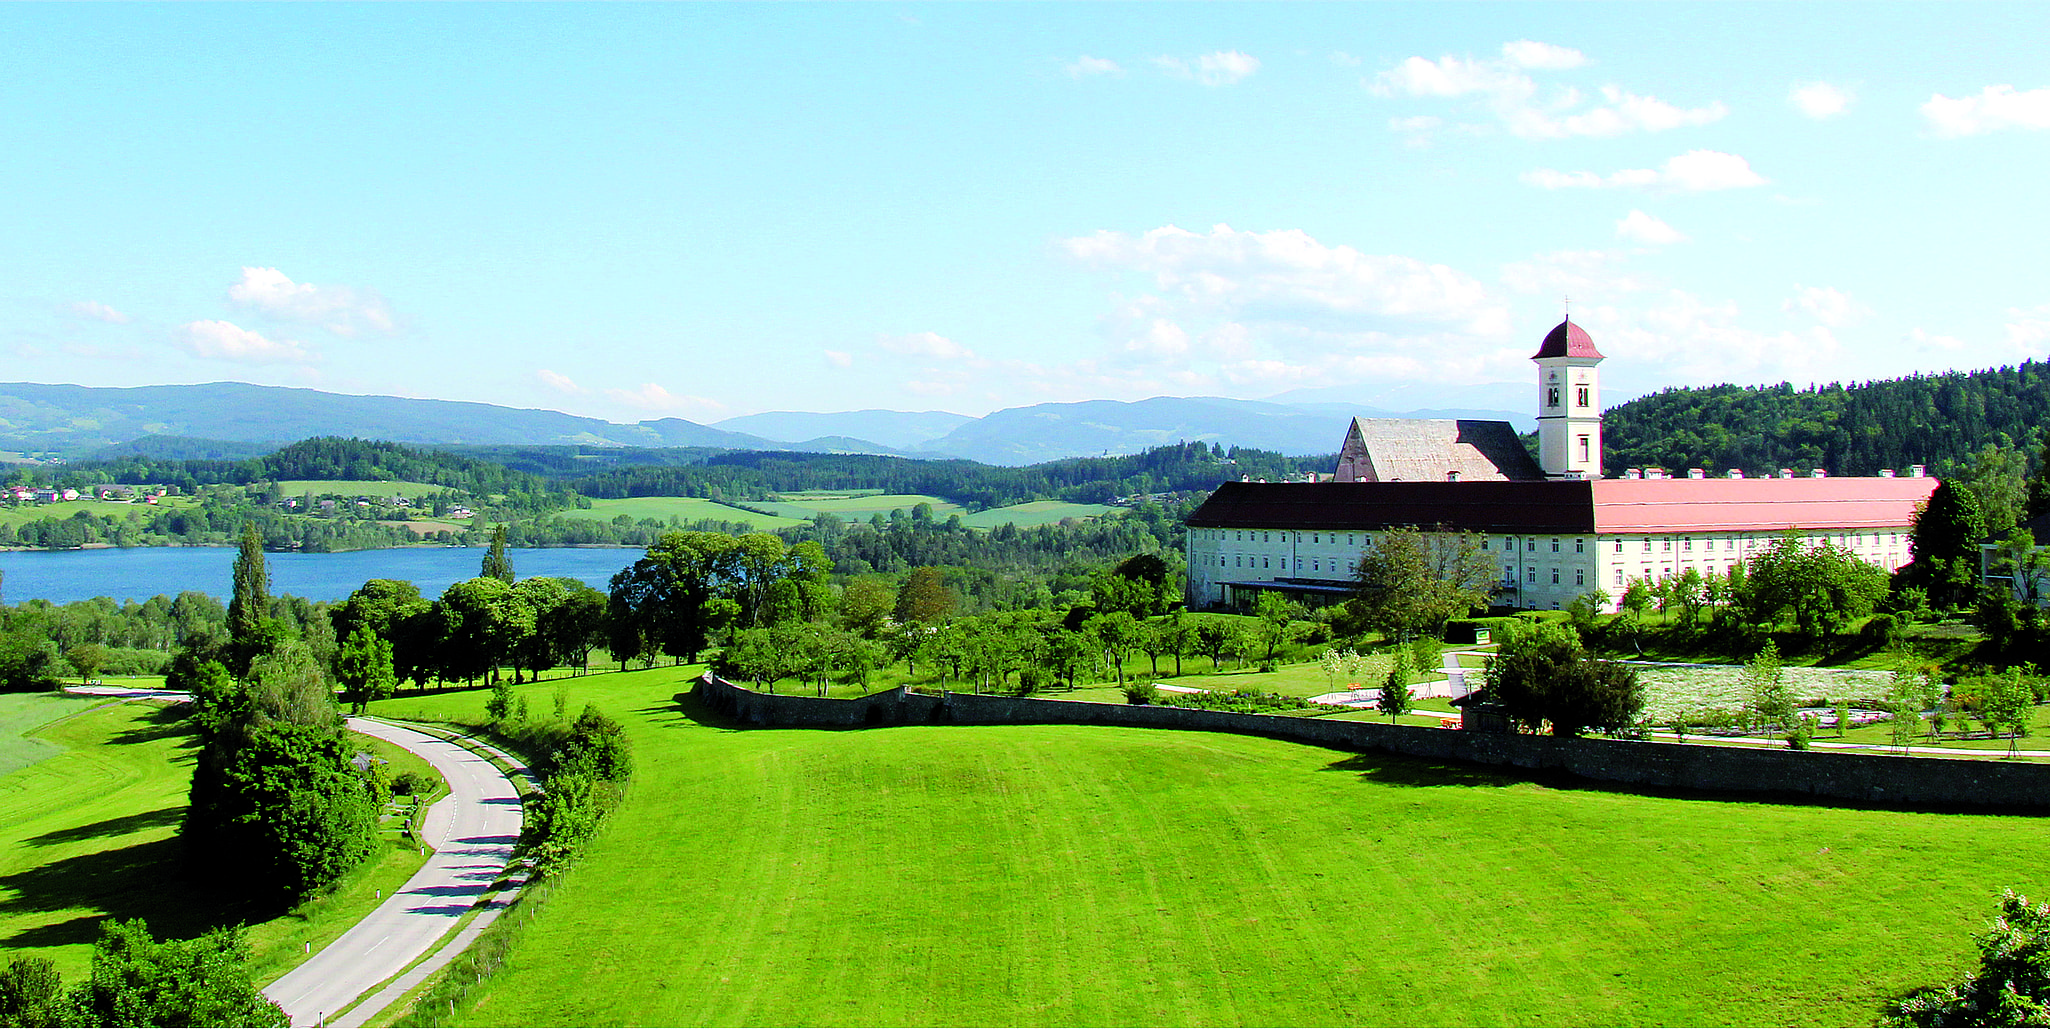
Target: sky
704,211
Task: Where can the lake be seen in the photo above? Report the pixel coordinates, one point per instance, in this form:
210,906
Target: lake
139,573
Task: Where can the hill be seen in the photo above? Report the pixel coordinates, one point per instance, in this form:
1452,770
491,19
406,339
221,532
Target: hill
1857,429
902,430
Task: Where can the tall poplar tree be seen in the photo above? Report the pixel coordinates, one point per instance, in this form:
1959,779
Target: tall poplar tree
249,608
496,564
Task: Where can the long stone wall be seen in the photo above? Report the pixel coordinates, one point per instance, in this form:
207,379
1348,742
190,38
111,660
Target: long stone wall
1864,778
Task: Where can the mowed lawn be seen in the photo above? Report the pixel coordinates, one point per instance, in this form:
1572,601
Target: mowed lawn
1065,875
682,509
857,506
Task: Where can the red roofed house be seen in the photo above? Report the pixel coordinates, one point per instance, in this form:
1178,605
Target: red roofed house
1557,527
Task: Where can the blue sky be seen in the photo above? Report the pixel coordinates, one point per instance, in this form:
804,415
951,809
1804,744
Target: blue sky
703,211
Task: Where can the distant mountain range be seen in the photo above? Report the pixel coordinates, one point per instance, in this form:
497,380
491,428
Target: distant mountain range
231,418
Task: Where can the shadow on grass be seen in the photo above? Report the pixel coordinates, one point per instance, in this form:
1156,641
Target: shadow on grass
1402,771
121,826
143,881
163,723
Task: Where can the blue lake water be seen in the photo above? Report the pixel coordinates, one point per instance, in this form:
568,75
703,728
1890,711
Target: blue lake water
140,573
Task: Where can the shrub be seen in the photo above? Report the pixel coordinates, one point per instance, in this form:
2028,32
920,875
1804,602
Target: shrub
1882,629
408,784
1142,693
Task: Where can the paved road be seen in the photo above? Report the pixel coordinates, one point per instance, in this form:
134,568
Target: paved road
472,830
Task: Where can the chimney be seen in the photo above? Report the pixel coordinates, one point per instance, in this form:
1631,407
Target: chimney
1916,471
1818,474
1696,473
1633,473
1886,473
1786,473
1734,473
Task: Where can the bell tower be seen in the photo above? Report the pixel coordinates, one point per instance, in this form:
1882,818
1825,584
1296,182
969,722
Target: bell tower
1569,404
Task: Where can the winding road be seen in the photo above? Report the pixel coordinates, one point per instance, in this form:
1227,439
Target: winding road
472,832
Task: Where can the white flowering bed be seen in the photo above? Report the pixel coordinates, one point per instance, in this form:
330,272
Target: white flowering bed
1686,689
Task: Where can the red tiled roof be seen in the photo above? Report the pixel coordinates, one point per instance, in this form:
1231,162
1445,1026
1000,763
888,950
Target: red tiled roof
1737,505
1567,340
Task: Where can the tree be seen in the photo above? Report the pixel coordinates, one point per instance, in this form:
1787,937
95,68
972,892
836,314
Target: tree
1944,545
1540,675
926,598
1275,612
363,666
249,606
1765,683
137,980
1823,585
2011,985
1395,698
87,659
866,605
1118,632
496,564
1412,581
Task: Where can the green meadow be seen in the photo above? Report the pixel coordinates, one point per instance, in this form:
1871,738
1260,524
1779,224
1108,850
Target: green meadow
88,831
24,513
681,509
1037,512
1051,875
856,505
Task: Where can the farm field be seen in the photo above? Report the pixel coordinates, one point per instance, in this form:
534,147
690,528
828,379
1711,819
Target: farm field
89,832
682,509
1089,875
25,513
355,488
853,505
1037,512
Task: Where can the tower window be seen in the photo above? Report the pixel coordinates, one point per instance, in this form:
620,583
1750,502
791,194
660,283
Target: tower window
1585,449
1581,396
1552,396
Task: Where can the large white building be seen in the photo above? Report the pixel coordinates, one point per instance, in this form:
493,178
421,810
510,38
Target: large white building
1557,528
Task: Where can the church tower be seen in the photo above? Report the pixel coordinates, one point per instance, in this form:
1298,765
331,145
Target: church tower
1569,404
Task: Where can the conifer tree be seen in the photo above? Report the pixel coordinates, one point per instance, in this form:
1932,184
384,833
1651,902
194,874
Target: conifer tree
496,564
249,607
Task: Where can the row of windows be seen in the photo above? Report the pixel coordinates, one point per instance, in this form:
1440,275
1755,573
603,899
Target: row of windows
1530,575
1352,539
1530,543
1316,564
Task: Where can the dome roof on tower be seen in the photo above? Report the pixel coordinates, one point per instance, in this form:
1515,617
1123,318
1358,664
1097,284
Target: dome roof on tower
1567,340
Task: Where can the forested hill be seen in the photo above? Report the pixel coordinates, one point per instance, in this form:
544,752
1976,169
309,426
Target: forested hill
1173,468
1935,420
326,457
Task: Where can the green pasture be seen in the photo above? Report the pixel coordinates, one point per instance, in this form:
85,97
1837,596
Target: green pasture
681,509
1089,875
1037,512
22,514
355,488
89,832
803,506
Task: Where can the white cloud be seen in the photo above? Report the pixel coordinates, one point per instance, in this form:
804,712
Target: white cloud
1831,307
1923,342
342,310
839,358
1529,53
1581,273
1223,68
1643,228
1287,275
1087,66
1694,340
559,382
1696,171
1994,109
1514,98
1419,123
925,344
651,397
1820,100
230,342
2028,330
97,311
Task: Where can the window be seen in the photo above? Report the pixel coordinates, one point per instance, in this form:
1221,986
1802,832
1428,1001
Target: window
1730,543
1555,576
1555,546
1580,546
1314,566
1619,577
1348,539
1669,546
1580,577
1266,537
1580,395
1586,449
1647,546
1552,397
1508,574
1484,543
1530,545
1687,545
1299,564
1531,575
1619,546
1266,562
1240,562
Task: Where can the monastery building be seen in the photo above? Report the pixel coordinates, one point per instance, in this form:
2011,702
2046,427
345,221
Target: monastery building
1558,528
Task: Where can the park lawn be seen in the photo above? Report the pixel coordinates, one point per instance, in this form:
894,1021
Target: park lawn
356,488
1092,875
1037,512
851,506
23,713
680,509
90,833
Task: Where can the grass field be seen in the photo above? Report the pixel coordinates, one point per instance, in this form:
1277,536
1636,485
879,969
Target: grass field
25,513
89,832
1087,875
682,509
355,488
1038,512
860,506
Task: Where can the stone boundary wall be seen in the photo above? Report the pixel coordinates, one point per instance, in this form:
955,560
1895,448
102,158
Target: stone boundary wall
1864,778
